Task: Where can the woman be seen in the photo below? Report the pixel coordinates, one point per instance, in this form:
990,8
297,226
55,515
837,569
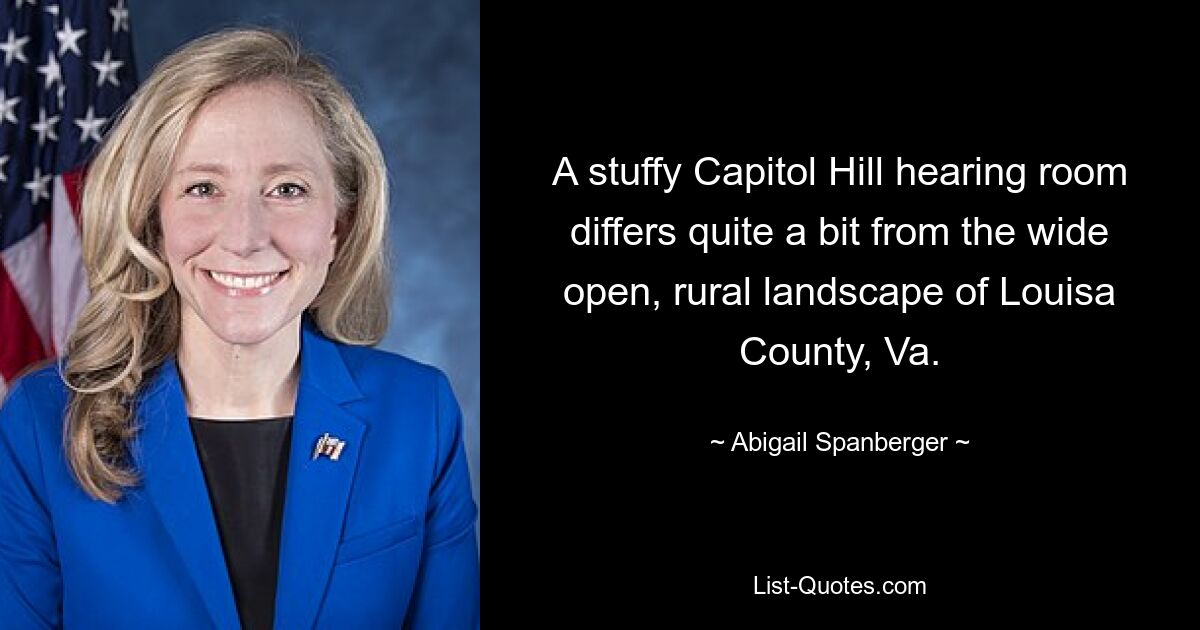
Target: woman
221,446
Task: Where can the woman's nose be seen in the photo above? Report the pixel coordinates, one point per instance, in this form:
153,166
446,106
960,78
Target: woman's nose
246,228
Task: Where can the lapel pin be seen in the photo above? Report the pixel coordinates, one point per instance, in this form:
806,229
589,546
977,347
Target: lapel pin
329,446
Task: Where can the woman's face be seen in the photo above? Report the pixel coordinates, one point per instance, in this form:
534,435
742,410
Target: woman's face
248,213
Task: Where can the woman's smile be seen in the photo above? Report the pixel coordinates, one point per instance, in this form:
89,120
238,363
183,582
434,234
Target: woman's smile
242,285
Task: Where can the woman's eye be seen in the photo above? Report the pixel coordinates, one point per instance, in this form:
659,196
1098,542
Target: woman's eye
290,190
203,189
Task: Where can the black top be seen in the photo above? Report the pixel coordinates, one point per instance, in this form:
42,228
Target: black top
245,465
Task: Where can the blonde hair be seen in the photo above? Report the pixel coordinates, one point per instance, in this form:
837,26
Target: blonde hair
130,324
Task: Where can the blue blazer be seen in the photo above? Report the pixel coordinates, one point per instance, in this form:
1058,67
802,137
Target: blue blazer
383,537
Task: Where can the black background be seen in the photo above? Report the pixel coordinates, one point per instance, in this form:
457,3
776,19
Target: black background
614,508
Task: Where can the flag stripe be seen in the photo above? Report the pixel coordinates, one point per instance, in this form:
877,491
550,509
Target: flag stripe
29,275
73,184
21,343
68,282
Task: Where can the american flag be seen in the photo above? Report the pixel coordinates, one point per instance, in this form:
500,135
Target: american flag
68,67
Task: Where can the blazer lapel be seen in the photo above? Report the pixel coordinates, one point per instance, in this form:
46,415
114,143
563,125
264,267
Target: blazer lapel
318,489
174,482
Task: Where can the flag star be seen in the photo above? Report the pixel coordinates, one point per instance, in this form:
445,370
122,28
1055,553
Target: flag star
120,16
107,68
45,127
39,185
8,108
3,163
90,125
14,47
52,71
52,9
31,2
62,92
68,38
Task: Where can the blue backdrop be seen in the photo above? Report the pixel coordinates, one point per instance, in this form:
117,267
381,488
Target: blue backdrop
413,69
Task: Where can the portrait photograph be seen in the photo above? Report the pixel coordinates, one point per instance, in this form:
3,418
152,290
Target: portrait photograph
239,314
